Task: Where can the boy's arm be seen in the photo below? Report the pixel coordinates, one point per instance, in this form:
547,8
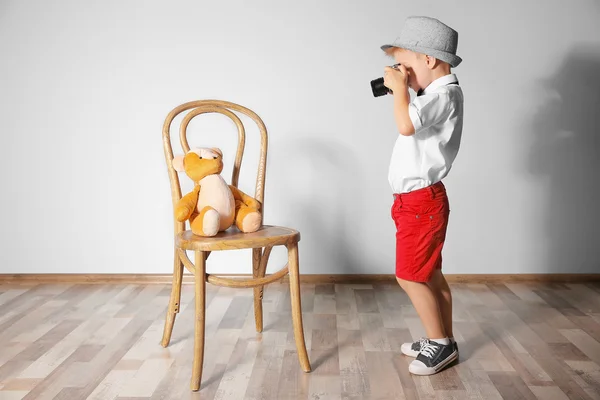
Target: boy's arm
403,121
397,82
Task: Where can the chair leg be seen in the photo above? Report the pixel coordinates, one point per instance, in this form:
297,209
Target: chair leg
259,268
174,300
258,291
200,311
294,271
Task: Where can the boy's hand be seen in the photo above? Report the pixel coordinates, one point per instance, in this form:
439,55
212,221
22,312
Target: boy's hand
396,79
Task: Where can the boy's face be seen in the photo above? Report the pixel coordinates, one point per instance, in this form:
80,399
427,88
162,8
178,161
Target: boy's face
419,73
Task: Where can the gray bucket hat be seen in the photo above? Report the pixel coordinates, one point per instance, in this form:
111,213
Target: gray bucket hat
428,36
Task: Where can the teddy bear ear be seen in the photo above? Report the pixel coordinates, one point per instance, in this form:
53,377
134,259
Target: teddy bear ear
218,151
178,163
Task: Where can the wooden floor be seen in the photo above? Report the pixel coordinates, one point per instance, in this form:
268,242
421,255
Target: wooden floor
517,341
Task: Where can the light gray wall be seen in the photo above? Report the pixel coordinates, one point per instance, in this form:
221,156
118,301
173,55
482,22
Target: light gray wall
85,87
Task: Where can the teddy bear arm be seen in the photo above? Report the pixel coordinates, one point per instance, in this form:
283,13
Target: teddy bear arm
244,198
186,205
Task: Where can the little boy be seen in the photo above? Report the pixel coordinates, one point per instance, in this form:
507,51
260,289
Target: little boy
430,130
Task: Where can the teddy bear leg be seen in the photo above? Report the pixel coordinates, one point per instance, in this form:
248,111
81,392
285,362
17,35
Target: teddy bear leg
206,222
247,219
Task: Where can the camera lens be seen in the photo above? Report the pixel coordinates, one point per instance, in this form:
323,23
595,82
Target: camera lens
378,88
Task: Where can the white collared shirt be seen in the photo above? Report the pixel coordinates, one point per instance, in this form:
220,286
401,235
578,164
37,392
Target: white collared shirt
426,157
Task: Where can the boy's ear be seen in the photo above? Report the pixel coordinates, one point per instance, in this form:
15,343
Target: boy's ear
178,164
432,62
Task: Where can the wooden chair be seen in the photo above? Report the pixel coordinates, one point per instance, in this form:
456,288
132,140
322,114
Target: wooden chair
261,242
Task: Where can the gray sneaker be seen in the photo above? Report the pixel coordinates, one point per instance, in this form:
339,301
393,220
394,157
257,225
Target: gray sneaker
433,358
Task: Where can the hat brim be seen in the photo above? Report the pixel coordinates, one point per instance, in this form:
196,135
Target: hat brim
450,58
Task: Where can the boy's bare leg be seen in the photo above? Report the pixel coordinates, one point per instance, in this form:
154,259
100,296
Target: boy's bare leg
426,304
441,290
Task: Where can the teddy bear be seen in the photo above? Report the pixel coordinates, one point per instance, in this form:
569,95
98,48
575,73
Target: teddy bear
213,205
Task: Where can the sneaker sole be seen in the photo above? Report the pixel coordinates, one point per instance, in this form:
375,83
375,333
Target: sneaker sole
433,370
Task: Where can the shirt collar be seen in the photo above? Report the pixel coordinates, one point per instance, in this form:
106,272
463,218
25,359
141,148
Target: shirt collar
444,80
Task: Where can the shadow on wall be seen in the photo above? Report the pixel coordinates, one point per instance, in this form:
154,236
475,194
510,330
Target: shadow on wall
566,152
324,194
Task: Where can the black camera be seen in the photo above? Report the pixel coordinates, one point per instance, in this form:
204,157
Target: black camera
377,86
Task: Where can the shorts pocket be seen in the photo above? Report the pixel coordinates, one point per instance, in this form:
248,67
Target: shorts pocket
438,224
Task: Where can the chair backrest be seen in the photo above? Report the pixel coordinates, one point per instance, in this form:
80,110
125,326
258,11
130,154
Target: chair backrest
199,107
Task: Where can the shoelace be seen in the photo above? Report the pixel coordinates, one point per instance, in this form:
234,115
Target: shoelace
428,349
422,342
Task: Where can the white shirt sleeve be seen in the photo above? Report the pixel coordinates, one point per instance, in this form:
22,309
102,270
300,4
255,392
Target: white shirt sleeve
428,109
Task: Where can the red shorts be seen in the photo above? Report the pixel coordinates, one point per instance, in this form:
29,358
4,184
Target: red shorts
421,219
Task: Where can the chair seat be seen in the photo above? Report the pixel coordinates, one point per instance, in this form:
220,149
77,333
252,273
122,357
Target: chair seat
233,238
